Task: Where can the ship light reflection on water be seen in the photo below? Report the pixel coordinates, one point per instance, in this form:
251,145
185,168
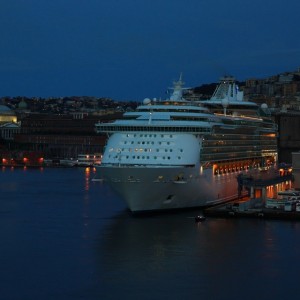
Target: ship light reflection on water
87,172
87,178
201,170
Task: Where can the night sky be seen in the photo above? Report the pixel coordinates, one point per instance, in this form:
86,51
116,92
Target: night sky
133,49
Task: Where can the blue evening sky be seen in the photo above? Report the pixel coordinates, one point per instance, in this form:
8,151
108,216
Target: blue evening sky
132,49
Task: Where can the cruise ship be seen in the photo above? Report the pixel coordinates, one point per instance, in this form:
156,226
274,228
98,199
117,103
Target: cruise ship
175,153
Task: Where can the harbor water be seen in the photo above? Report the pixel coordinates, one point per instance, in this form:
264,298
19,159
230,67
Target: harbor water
64,236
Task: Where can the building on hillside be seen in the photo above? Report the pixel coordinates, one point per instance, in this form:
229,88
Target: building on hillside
7,115
296,169
288,134
61,136
9,130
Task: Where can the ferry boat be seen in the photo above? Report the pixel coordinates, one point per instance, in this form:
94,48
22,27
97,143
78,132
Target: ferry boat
174,153
68,162
89,160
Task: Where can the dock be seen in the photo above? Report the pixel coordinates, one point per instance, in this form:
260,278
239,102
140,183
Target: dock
226,211
262,187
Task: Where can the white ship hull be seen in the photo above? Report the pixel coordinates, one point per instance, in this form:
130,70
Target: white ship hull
157,188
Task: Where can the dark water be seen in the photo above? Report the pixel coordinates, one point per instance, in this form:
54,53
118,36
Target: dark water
63,237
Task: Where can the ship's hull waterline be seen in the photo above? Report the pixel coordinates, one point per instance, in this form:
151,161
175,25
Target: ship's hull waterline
147,189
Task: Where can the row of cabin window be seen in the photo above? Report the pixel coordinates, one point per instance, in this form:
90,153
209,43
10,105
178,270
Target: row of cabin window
143,157
148,135
146,142
143,150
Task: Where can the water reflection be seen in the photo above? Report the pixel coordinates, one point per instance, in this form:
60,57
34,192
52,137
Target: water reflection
176,250
89,174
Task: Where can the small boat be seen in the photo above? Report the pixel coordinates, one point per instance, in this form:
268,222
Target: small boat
200,218
68,162
89,160
97,179
180,181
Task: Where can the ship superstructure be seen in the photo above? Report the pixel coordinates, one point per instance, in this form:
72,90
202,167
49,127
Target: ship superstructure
175,153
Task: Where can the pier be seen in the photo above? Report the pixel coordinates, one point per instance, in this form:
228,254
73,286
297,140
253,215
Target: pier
262,186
